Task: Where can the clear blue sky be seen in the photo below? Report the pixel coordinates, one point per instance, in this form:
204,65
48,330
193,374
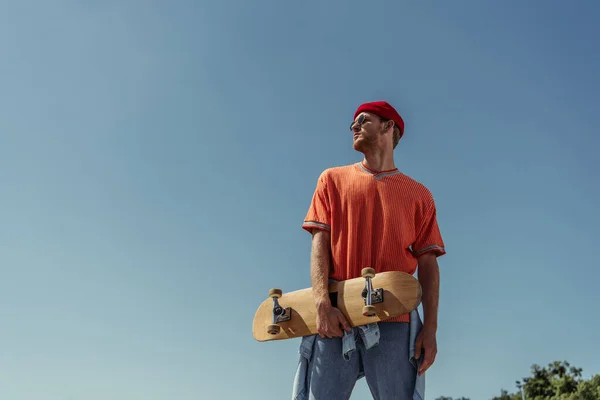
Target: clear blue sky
157,160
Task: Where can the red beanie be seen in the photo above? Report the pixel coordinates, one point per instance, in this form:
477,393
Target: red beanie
383,110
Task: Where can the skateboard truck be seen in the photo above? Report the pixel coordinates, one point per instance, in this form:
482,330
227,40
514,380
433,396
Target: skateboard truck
370,295
280,314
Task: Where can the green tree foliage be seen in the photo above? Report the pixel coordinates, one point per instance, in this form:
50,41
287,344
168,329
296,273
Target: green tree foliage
557,381
451,398
504,395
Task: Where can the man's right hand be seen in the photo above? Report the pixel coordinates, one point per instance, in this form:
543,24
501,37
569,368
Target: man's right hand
330,320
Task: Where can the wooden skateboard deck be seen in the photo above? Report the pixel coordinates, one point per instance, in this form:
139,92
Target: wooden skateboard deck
291,315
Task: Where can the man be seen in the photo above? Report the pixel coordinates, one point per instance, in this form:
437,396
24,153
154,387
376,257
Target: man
369,214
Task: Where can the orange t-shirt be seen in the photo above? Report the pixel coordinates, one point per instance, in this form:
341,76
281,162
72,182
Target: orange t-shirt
382,220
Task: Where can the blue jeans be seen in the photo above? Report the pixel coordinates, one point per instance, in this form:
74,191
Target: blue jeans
381,353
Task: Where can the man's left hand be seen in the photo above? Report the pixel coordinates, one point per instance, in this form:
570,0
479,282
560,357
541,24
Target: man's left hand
426,346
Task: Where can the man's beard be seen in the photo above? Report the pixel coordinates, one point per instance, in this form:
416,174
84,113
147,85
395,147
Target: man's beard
363,144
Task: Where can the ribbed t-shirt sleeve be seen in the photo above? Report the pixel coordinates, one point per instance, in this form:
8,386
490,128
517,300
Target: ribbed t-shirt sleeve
319,211
428,237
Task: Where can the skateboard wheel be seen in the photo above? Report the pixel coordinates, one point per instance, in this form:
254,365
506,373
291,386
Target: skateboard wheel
273,329
276,293
368,273
369,311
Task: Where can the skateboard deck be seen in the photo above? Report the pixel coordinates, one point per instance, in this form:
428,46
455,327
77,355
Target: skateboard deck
291,315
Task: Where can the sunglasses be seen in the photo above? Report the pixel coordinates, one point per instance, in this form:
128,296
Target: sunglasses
361,120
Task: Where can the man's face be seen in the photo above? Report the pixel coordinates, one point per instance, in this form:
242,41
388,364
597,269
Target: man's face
367,131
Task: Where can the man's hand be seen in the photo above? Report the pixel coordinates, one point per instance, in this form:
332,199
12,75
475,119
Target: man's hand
426,345
329,320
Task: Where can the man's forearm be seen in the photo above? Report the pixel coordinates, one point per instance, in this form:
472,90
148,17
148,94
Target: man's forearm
429,277
319,269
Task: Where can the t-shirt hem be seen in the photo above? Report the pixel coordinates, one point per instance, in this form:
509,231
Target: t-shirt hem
435,248
310,225
399,318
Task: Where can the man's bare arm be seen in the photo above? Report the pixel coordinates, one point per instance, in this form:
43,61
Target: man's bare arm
429,277
330,320
320,260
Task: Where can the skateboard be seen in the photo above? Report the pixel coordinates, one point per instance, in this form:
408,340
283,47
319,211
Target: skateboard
371,298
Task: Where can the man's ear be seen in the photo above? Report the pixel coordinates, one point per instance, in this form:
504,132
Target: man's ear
388,125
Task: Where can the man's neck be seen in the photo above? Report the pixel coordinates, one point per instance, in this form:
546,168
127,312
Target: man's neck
379,161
